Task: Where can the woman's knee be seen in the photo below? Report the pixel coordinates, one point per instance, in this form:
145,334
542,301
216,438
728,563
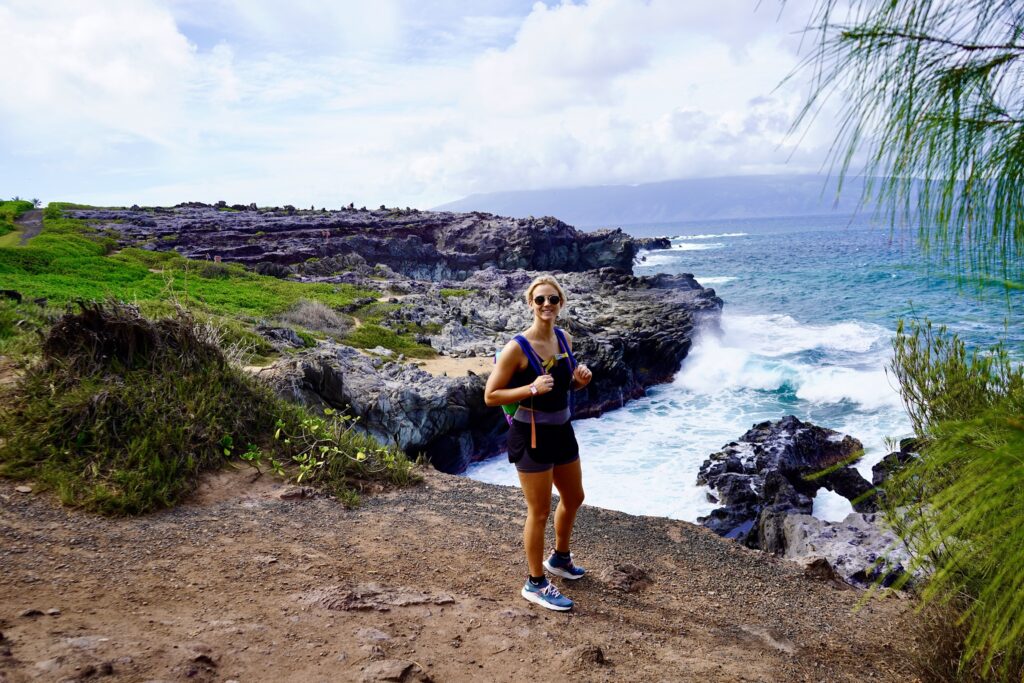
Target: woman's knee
538,515
573,501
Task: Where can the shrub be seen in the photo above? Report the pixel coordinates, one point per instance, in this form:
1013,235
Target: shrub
958,506
316,316
122,414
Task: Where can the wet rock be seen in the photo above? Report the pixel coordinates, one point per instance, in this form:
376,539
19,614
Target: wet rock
775,469
893,462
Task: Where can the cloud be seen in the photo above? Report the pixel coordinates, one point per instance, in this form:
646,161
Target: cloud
89,75
326,103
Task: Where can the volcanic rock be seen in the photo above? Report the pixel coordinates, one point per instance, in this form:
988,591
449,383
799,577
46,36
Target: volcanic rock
775,469
426,245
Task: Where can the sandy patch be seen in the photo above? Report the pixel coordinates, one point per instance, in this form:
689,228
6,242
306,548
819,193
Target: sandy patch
456,367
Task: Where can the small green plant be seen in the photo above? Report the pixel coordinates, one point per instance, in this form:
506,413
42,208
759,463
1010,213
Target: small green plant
328,452
446,293
369,336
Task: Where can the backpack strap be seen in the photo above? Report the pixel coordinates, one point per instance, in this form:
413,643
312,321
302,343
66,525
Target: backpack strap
535,363
563,344
531,355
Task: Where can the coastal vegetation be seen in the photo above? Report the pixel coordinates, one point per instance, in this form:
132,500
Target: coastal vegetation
119,407
10,210
929,97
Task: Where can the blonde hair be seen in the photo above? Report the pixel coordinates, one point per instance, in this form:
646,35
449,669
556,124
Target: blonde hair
544,280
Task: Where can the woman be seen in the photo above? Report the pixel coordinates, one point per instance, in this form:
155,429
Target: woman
537,370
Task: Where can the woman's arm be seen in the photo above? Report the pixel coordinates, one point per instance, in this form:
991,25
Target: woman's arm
509,360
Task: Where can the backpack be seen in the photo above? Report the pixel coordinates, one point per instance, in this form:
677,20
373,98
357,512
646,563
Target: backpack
538,367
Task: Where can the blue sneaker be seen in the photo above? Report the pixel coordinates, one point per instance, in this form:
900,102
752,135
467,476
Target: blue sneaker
564,568
546,595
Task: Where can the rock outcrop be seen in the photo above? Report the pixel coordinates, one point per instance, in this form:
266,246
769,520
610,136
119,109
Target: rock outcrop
443,418
632,332
860,549
425,245
766,482
774,469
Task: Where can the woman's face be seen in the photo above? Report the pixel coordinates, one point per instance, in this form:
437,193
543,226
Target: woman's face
545,310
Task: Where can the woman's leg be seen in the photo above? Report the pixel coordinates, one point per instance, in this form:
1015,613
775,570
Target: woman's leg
568,479
537,489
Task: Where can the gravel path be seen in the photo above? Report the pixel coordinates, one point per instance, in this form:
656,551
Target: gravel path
31,223
418,584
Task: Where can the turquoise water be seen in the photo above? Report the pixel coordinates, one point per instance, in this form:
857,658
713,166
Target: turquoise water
811,305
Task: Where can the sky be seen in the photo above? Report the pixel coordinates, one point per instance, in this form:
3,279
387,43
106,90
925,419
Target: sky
394,102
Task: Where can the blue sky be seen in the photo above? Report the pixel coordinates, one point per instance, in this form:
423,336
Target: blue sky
391,102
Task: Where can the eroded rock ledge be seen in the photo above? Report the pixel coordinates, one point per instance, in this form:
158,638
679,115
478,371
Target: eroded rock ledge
425,245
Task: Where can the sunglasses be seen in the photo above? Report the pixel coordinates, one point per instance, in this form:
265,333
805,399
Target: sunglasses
553,299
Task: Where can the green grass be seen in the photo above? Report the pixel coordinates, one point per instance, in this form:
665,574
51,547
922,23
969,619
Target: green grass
445,293
399,337
122,414
66,262
369,335
10,210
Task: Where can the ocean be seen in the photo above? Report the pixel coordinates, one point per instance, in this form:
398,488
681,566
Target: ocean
811,306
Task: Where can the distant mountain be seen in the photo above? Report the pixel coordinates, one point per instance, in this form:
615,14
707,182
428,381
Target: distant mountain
763,196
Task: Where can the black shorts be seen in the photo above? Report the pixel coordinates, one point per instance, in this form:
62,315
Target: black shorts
556,445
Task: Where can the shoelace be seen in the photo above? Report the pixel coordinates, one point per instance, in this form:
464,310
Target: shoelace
550,590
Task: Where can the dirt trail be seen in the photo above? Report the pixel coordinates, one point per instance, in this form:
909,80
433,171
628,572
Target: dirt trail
30,223
417,584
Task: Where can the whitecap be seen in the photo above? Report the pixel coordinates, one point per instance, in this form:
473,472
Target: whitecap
781,335
717,280
709,237
869,388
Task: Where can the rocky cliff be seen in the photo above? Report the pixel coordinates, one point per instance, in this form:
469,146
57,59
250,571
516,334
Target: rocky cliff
425,245
632,332
456,281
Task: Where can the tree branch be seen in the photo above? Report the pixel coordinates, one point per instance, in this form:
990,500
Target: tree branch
925,38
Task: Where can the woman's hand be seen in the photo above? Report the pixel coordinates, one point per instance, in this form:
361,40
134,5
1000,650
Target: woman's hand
582,376
544,384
